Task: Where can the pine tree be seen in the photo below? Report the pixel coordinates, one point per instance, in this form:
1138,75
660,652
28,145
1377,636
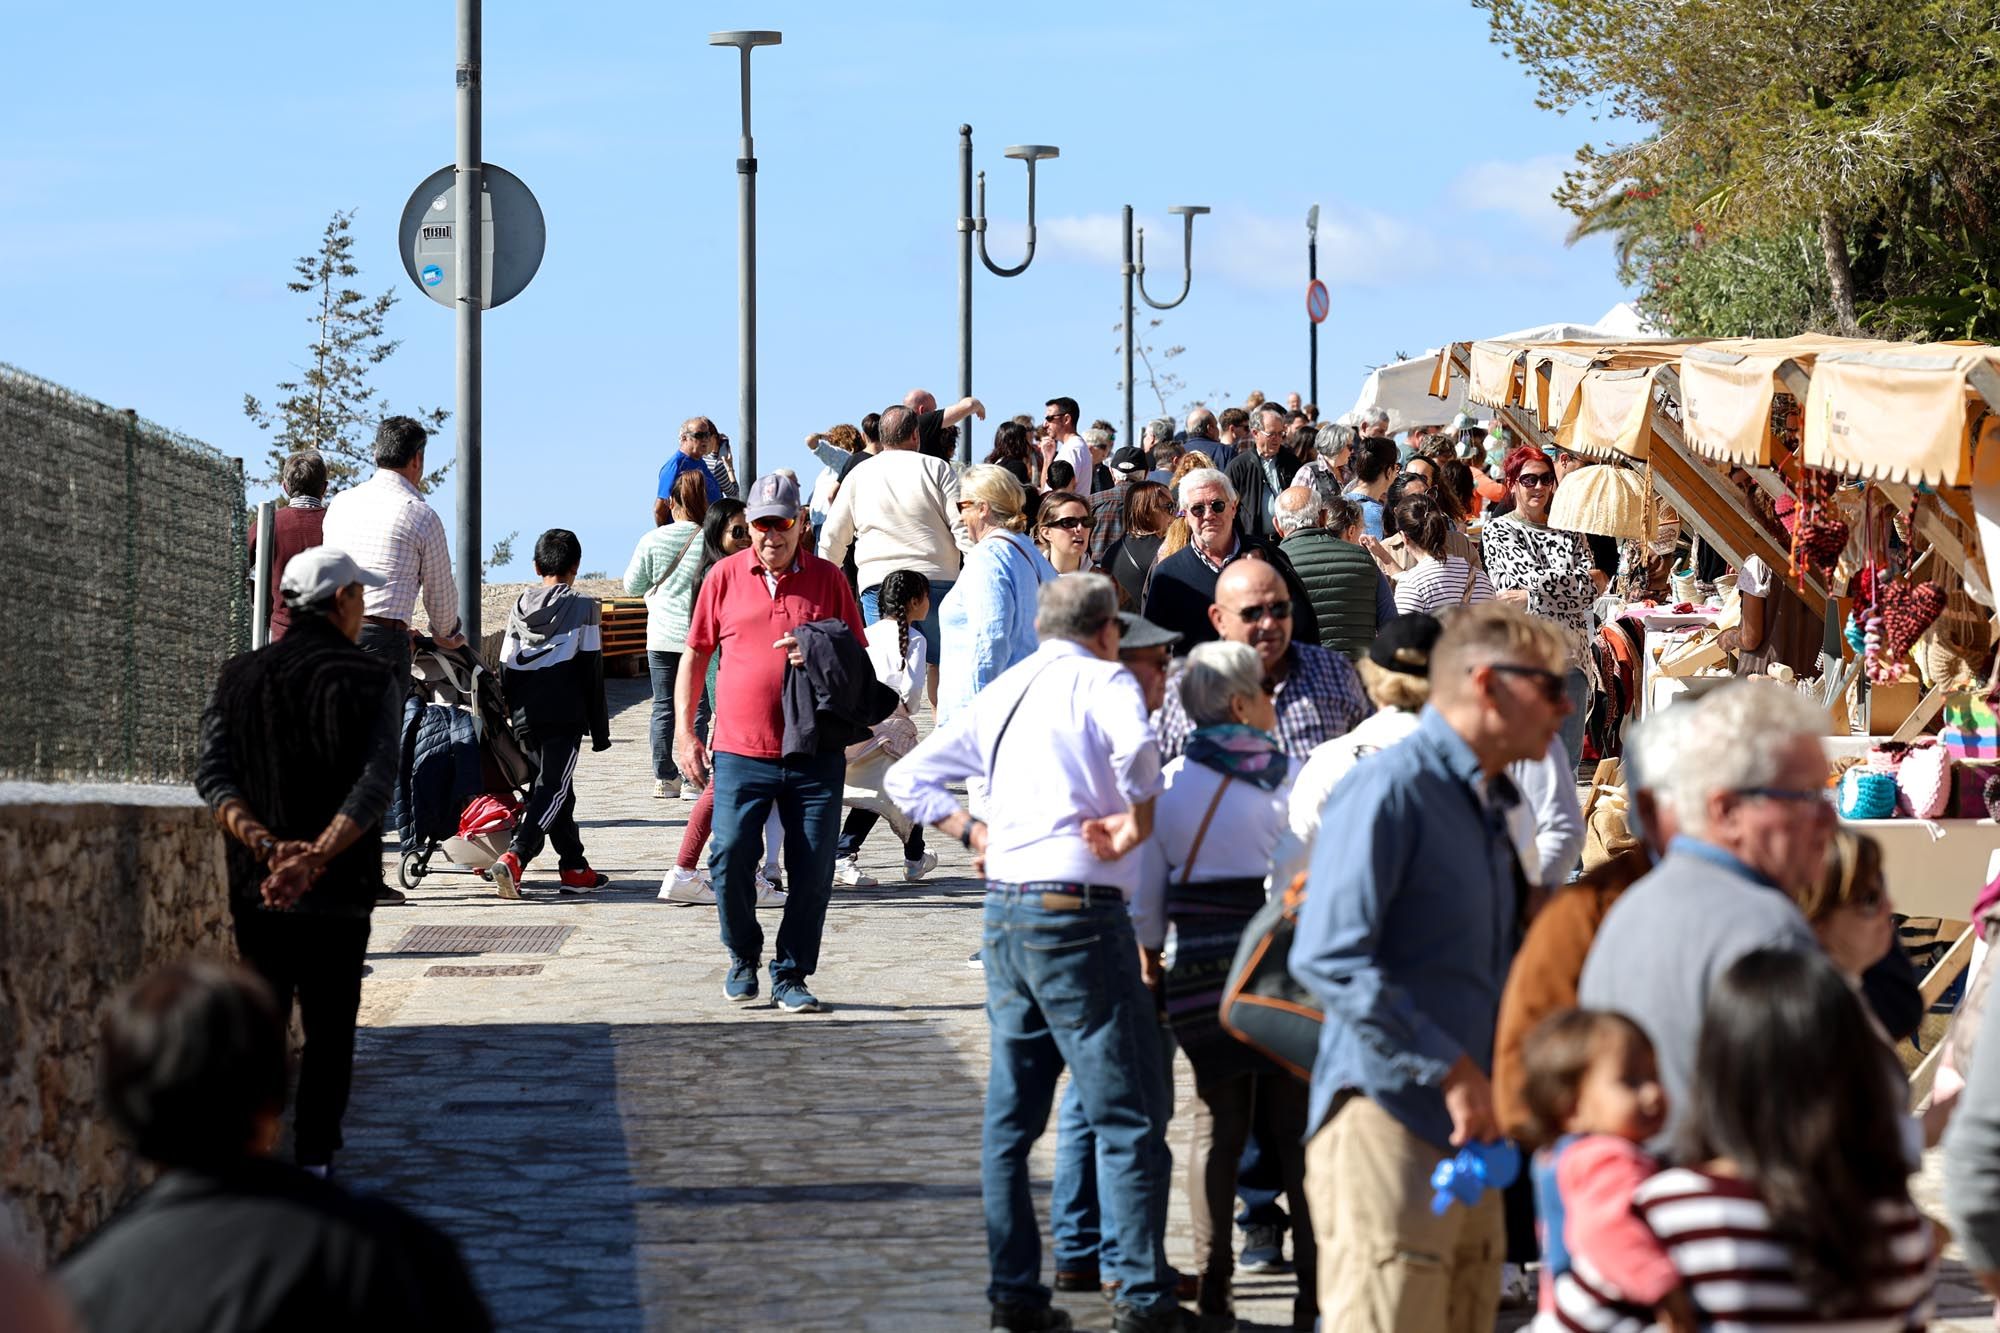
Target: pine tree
331,406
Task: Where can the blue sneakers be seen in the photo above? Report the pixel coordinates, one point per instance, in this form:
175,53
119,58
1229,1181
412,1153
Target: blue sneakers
740,986
793,997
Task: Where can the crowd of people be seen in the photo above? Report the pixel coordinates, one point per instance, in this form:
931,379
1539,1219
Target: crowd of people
1251,655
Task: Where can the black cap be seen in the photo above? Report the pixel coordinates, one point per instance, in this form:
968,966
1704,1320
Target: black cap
1128,460
1405,643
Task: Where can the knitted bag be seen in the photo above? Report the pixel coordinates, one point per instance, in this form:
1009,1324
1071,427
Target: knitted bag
1923,780
1867,794
1907,611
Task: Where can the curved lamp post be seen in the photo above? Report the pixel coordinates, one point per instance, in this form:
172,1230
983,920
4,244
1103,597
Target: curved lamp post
1312,275
746,255
1135,277
971,223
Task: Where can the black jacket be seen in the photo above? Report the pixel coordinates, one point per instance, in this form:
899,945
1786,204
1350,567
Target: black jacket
262,1247
834,699
1182,589
1253,491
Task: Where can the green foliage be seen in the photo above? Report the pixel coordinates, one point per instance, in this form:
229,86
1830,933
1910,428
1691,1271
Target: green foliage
330,406
501,554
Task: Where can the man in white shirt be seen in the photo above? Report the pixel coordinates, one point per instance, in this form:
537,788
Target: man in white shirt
1067,752
1064,444
392,533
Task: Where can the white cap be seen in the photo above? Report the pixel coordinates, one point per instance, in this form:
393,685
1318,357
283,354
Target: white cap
318,572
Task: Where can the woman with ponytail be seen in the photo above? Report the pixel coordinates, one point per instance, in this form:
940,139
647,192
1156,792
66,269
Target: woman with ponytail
899,657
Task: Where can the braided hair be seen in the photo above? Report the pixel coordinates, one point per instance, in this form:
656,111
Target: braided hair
902,588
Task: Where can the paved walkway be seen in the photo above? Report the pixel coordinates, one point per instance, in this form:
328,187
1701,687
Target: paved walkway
615,1147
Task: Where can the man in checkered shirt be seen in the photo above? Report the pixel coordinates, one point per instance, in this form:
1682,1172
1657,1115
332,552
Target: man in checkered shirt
389,530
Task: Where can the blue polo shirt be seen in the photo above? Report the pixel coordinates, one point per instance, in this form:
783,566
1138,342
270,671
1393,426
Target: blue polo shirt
677,463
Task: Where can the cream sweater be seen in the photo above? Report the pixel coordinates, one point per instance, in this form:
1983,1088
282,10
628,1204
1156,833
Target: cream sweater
899,510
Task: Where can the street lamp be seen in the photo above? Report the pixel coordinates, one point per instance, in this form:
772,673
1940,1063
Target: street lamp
1135,276
746,252
1312,276
969,224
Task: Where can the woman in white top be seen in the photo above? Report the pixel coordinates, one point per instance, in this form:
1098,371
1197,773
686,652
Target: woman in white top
666,570
1218,824
1438,580
898,656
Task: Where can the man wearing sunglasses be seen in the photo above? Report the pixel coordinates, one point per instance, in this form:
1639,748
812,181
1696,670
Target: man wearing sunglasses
750,603
698,436
1181,588
1748,784
1061,441
1411,914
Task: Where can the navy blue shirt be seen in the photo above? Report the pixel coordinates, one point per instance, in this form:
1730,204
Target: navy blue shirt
1408,927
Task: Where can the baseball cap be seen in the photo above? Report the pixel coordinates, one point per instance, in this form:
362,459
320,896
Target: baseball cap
318,572
773,495
1404,644
1135,631
1128,460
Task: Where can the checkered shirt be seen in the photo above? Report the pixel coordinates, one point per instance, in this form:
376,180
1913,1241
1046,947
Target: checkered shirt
389,530
1320,698
1108,508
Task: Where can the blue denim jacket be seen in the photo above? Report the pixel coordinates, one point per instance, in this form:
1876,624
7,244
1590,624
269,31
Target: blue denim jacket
987,620
1408,928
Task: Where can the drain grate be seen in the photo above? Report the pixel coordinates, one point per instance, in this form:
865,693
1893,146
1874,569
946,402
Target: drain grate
483,939
489,970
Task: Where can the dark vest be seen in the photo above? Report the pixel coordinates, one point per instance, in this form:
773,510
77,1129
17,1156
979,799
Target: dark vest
1339,578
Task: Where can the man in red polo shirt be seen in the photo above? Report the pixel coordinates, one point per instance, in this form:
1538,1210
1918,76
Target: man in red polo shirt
748,607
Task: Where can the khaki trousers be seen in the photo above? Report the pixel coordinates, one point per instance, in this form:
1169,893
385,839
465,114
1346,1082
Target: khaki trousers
1387,1264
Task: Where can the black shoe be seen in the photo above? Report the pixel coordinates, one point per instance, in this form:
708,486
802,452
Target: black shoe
1079,1278
1263,1250
1028,1319
389,896
1167,1319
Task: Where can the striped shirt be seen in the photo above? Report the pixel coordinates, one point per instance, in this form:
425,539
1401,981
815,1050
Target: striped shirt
1741,1277
389,530
1432,585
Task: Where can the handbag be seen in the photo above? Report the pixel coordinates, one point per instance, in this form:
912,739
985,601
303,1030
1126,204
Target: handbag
1207,920
1263,1005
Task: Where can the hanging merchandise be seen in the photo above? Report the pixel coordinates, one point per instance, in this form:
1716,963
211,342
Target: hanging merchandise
1907,611
1820,534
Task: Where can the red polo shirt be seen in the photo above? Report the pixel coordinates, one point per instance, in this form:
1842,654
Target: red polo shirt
738,614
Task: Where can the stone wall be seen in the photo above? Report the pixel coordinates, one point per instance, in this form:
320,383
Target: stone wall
97,884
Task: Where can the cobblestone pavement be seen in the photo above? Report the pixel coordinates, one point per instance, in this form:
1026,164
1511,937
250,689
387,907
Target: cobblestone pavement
616,1147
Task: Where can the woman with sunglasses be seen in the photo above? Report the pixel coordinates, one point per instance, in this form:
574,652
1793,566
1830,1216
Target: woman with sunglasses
1544,570
987,621
1062,530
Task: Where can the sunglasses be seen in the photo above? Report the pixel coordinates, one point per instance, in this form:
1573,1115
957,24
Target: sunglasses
699,435
1534,481
773,524
1072,523
964,505
739,532
1550,681
1250,615
1204,507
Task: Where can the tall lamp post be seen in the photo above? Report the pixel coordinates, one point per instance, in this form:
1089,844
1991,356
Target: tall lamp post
972,223
746,252
1312,275
1135,277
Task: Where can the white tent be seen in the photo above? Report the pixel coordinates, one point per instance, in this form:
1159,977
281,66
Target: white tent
1403,390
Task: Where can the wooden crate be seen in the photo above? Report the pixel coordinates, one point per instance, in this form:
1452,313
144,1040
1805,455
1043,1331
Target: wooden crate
622,628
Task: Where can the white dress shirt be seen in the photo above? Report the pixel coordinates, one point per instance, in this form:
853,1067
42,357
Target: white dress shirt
1248,836
1080,747
1548,823
389,530
1323,769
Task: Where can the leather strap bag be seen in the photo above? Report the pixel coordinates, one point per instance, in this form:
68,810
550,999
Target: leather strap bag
1262,1006
1208,921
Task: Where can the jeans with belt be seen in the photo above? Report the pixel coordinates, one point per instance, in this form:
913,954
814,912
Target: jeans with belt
1063,989
1077,1231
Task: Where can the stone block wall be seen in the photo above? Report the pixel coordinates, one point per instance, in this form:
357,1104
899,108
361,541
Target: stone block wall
97,884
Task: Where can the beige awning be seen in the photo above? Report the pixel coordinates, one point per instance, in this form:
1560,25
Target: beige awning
1611,413
1727,388
1899,412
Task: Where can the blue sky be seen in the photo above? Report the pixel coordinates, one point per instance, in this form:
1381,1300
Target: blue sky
162,167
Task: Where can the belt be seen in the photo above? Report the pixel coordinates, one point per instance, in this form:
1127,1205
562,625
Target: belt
386,621
1059,896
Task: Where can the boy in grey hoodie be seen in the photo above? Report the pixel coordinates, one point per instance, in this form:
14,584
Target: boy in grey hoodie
552,670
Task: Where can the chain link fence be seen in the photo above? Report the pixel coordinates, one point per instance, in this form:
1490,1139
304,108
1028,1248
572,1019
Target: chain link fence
127,545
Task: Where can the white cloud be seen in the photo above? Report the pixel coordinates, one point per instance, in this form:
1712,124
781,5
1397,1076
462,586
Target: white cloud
1523,190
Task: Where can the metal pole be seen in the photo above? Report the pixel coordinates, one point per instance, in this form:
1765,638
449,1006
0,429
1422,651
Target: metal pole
260,606
1312,274
1129,437
471,293
746,286
965,285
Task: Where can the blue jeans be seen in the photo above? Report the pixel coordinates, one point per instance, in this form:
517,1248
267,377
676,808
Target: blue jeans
1063,988
664,667
871,611
806,791
1076,1228
1260,1180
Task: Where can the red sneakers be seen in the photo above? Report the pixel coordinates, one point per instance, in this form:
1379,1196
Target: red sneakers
583,880
507,875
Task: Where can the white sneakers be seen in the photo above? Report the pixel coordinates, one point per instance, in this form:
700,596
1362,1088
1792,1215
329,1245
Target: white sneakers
659,789
917,869
847,870
687,886
690,792
768,894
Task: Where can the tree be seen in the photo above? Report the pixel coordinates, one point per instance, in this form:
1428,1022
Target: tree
1160,379
1846,121
501,554
330,406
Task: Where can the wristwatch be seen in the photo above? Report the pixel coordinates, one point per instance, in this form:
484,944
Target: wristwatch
965,834
263,847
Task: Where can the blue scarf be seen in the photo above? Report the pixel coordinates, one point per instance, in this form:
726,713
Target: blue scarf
1240,752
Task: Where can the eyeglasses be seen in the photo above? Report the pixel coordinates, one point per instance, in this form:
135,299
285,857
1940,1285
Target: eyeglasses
1203,507
1250,615
1072,522
1536,480
698,434
773,524
1551,682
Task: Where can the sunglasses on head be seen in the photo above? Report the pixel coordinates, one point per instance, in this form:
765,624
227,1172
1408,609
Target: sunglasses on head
773,524
1202,507
1536,480
1279,610
1072,522
1551,681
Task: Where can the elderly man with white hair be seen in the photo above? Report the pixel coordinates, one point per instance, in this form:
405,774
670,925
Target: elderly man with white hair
1748,786
1182,586
1325,475
1374,422
1161,448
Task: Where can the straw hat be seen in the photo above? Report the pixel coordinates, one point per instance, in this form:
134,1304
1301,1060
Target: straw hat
1604,500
